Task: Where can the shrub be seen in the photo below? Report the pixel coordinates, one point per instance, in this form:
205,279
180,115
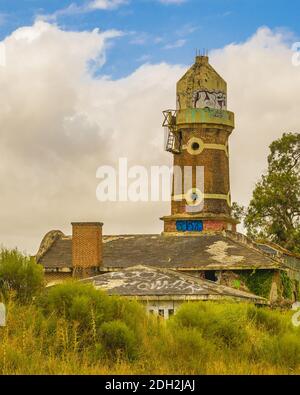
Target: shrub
287,286
90,308
259,283
118,339
39,339
273,322
20,274
191,347
283,350
77,301
222,323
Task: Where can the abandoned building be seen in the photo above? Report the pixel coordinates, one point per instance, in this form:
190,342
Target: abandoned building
200,249
163,290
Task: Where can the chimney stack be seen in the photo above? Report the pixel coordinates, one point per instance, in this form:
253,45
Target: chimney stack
86,248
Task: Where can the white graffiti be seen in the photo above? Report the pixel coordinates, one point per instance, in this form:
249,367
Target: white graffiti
203,99
146,280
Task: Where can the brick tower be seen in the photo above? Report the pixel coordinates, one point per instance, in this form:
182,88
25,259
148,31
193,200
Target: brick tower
197,136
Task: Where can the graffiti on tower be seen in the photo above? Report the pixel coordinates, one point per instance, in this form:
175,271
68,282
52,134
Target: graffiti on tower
203,99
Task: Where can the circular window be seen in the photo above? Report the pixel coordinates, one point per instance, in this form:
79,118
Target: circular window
194,197
195,146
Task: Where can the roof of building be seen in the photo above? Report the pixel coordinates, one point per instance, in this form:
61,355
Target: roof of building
206,252
151,283
275,249
58,255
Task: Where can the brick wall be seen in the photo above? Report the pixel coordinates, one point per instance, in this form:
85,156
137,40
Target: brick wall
214,226
170,226
208,226
215,163
86,246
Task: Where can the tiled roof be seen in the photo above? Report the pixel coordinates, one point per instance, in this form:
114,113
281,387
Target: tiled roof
59,254
147,282
184,252
206,252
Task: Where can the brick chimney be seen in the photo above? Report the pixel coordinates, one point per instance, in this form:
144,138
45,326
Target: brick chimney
86,248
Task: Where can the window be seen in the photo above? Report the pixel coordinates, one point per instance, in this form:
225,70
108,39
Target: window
195,146
151,311
161,312
210,275
171,312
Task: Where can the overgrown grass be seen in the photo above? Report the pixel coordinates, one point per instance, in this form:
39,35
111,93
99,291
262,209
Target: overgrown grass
74,329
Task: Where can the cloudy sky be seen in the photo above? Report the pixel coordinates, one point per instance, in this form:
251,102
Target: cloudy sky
84,83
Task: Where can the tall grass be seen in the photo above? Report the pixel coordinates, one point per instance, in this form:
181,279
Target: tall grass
74,329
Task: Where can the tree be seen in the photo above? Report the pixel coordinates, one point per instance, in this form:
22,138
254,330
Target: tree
238,212
19,274
274,211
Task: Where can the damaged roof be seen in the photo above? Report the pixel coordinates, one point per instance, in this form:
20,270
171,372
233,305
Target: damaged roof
206,252
150,283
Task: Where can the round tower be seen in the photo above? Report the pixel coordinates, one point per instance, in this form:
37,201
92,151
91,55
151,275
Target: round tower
197,136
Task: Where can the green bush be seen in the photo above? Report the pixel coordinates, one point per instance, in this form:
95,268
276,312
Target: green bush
222,323
118,339
19,274
82,302
193,348
287,286
283,350
90,308
274,322
259,283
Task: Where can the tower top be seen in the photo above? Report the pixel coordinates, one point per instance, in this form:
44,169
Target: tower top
202,59
201,87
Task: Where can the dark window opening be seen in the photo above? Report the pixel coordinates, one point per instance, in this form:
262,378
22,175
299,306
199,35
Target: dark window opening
195,146
211,275
161,313
171,312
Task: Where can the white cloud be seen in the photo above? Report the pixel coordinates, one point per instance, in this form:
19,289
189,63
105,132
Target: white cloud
187,29
73,9
144,58
176,44
58,124
139,38
106,4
